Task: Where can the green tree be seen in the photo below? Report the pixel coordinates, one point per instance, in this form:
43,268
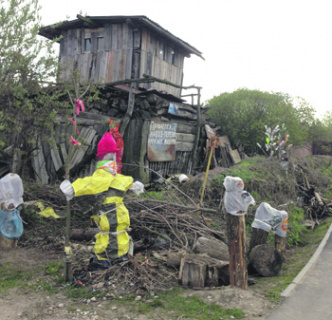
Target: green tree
243,114
27,64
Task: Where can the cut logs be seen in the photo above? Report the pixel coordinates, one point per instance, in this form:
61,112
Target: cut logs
199,271
212,247
265,260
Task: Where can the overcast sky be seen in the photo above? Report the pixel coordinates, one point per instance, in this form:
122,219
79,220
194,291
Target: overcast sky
269,45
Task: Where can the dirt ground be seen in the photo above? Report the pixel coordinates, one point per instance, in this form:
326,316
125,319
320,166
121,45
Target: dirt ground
24,304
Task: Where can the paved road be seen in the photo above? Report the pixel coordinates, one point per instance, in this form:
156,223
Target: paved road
309,297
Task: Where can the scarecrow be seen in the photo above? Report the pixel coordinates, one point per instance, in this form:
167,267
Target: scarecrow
103,194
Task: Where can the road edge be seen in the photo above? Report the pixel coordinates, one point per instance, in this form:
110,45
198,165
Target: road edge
302,274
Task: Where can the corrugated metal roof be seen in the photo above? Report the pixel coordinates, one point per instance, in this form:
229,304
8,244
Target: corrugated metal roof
55,30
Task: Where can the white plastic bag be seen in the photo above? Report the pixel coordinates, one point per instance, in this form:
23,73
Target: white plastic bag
11,190
236,199
68,190
137,187
268,218
281,229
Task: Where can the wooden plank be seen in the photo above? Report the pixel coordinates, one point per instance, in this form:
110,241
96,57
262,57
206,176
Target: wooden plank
88,135
224,140
102,56
39,165
107,34
234,154
137,39
55,155
184,146
114,37
79,151
144,175
110,67
185,128
64,152
122,65
129,62
79,40
182,137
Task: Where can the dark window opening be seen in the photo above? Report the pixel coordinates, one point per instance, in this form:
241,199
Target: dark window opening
162,53
174,58
87,44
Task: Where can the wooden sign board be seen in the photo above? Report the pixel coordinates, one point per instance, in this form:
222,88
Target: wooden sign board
235,156
224,140
162,141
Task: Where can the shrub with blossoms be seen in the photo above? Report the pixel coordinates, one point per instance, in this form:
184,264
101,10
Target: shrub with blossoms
276,145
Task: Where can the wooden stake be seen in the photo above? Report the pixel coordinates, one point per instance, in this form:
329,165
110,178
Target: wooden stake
259,236
280,245
238,267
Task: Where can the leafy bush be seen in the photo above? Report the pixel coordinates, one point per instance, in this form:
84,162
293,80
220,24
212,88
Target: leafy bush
295,226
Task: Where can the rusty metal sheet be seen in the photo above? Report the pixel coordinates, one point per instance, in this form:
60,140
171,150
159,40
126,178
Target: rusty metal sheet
162,141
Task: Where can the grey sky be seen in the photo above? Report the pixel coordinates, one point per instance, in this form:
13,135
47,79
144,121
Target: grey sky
279,46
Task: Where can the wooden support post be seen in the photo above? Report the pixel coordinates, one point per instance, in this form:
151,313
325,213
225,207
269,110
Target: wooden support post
7,243
130,109
198,130
280,245
238,270
259,236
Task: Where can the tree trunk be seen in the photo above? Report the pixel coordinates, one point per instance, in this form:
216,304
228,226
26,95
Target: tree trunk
280,245
258,237
238,271
7,243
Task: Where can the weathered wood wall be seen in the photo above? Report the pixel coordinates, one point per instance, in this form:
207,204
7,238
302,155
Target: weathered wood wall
128,53
49,161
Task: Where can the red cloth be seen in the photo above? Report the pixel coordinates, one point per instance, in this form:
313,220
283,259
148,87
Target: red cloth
106,145
119,144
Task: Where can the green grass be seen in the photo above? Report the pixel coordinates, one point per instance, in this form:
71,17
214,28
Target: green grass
53,268
192,307
12,277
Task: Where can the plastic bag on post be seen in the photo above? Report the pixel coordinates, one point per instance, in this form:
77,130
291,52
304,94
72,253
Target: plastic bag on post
281,229
236,199
11,226
11,190
268,218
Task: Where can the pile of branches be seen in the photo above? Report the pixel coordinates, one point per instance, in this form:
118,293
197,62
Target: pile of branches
178,225
315,206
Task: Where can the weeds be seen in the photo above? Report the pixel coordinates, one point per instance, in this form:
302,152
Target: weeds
295,226
12,277
52,268
192,307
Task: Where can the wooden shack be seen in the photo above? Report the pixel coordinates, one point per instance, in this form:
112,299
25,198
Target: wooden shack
113,48
162,132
